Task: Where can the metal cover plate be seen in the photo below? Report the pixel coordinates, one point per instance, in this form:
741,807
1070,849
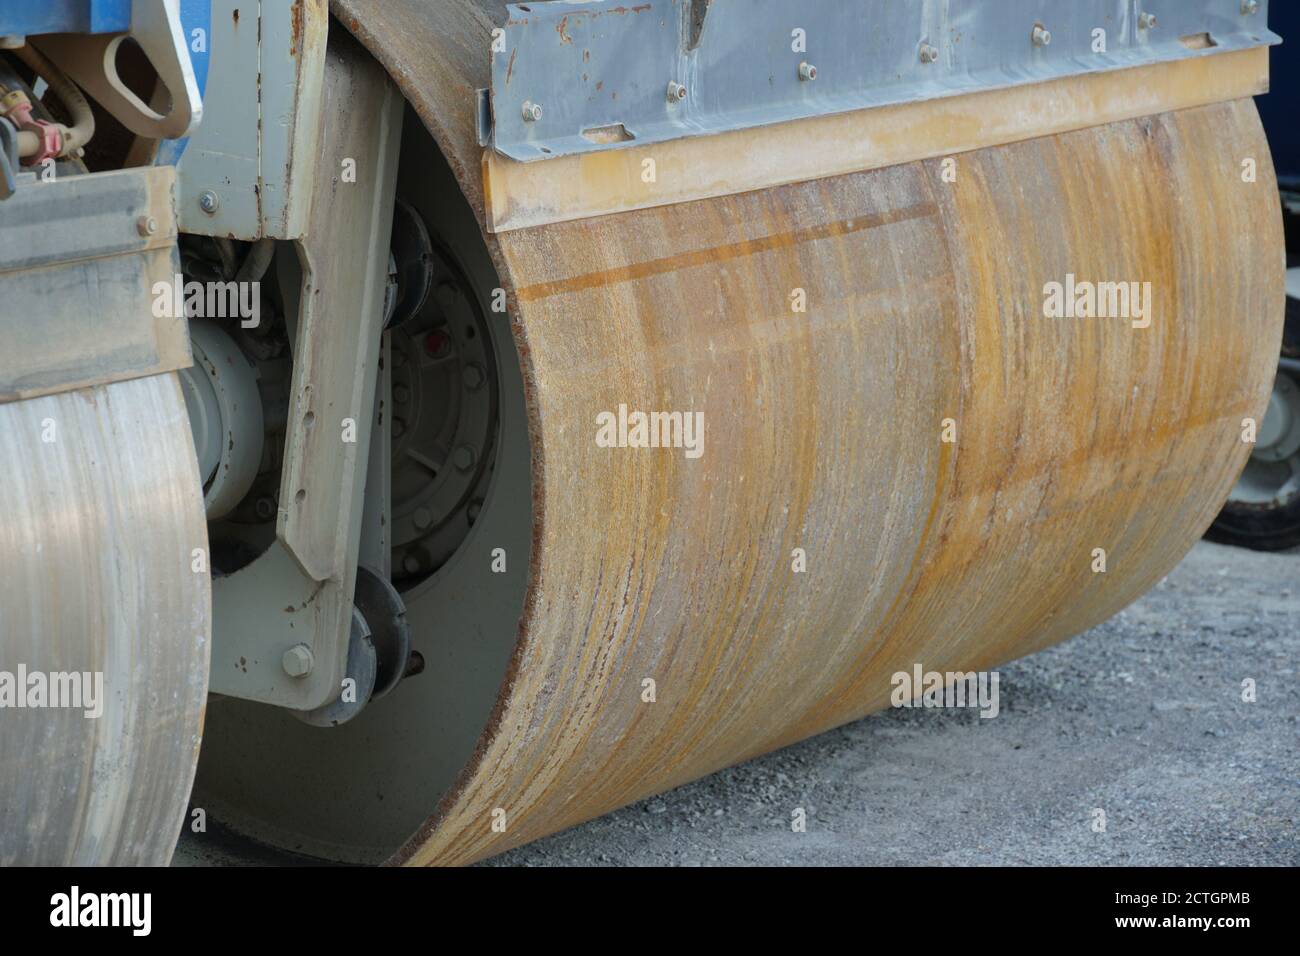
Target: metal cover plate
603,67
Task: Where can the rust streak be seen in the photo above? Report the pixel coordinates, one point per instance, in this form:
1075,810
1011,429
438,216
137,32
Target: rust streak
715,254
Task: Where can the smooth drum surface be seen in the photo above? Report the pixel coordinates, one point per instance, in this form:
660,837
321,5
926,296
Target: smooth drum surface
100,513
823,432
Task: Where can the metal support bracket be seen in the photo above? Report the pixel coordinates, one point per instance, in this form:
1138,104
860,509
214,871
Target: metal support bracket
92,62
82,246
583,77
300,591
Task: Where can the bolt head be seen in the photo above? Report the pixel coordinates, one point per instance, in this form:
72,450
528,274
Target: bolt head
676,92
146,225
928,53
1041,35
463,458
298,661
1249,7
807,71
209,202
532,112
472,376
423,518
1147,21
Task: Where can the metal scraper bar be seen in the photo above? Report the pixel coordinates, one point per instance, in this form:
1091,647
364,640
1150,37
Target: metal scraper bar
583,77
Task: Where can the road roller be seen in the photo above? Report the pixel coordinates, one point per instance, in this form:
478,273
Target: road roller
426,425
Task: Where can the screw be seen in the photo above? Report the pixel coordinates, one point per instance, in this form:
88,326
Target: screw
472,376
676,92
928,53
146,225
464,458
298,661
532,112
1041,35
1147,21
209,202
807,71
1249,7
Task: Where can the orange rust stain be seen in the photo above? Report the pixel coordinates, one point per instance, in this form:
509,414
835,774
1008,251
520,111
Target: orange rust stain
735,250
510,67
295,28
562,29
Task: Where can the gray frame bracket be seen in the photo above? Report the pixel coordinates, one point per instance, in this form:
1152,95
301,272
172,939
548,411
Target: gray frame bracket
583,77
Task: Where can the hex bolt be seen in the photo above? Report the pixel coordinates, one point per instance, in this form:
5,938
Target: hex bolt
146,225
298,661
928,53
1249,7
401,394
411,563
807,71
264,507
423,518
676,92
463,458
1147,21
1041,35
472,376
532,112
209,202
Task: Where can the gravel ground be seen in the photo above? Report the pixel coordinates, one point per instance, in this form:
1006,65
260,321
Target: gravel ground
1141,717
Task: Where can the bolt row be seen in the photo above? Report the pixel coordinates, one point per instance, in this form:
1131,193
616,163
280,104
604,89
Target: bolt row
1040,36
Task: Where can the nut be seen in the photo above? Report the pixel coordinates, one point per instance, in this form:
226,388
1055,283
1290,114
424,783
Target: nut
807,71
209,202
928,53
146,225
676,92
1041,35
298,661
532,112
1147,21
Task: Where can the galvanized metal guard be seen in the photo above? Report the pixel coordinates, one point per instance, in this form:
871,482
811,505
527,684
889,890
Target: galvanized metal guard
599,75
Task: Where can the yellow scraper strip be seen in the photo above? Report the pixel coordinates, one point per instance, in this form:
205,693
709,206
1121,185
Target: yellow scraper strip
520,195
